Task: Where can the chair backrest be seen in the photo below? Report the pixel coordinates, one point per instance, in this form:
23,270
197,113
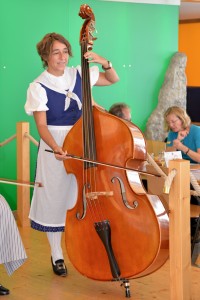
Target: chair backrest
155,147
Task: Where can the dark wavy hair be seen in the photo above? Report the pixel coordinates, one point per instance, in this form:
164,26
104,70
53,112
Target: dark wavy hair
45,45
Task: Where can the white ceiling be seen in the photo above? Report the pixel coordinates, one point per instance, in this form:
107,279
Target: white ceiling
189,10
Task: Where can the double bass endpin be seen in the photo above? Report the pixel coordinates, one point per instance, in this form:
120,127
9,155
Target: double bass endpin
126,285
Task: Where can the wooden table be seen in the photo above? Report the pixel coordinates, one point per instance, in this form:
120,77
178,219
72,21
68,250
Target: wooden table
155,186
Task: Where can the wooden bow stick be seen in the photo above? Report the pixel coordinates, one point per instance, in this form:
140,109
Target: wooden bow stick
103,164
19,182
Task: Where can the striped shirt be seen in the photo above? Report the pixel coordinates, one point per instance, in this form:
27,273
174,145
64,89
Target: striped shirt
12,252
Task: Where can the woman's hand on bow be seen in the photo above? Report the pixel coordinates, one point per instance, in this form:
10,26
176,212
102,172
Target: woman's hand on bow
59,153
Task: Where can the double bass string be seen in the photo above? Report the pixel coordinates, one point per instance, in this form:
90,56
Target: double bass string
89,140
85,128
90,173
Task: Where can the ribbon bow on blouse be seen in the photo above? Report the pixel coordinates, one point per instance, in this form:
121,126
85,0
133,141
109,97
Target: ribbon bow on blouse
70,95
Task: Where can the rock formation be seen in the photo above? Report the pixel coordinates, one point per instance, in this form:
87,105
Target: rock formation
172,92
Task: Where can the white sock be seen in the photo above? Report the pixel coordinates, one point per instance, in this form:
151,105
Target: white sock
55,244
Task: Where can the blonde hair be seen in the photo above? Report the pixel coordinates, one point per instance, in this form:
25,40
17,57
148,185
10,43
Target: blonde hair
45,45
180,113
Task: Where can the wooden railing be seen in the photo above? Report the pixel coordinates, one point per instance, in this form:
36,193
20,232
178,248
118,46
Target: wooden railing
179,232
23,171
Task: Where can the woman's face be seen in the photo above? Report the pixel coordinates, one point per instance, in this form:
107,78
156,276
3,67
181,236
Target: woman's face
58,58
174,123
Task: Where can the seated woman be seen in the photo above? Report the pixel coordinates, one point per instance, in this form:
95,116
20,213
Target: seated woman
12,252
185,137
182,135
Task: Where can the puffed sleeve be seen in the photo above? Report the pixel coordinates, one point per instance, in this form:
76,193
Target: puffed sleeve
36,99
94,74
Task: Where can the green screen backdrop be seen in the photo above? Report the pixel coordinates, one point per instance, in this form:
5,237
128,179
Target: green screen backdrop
139,39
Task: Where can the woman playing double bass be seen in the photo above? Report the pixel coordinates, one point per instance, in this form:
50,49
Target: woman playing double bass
54,98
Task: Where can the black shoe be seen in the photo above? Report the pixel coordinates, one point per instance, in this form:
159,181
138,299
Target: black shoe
3,290
59,268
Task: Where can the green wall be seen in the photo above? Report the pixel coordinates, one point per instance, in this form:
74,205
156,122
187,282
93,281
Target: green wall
139,39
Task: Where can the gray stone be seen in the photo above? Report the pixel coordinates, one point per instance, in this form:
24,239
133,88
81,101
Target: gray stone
172,92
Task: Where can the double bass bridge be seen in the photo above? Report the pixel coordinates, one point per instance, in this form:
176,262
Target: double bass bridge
95,195
90,196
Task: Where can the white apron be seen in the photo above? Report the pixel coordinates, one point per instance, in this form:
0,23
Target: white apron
57,185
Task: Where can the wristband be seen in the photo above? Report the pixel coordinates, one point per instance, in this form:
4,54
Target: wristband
109,66
187,151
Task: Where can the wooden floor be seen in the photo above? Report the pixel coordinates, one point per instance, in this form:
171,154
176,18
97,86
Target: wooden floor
36,281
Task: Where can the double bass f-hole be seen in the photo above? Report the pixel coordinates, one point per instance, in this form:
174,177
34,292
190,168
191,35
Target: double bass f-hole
123,194
84,204
95,195
92,196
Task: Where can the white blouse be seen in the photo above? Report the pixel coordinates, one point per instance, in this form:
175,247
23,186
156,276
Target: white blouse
36,94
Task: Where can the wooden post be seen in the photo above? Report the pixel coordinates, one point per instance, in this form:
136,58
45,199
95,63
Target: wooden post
179,229
23,174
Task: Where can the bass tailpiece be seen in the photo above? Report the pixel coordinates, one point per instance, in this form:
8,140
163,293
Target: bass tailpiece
104,232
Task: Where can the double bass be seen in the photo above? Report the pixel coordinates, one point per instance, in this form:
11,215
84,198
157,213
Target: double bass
115,230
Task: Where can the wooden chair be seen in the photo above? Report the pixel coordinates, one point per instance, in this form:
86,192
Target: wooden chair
155,147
